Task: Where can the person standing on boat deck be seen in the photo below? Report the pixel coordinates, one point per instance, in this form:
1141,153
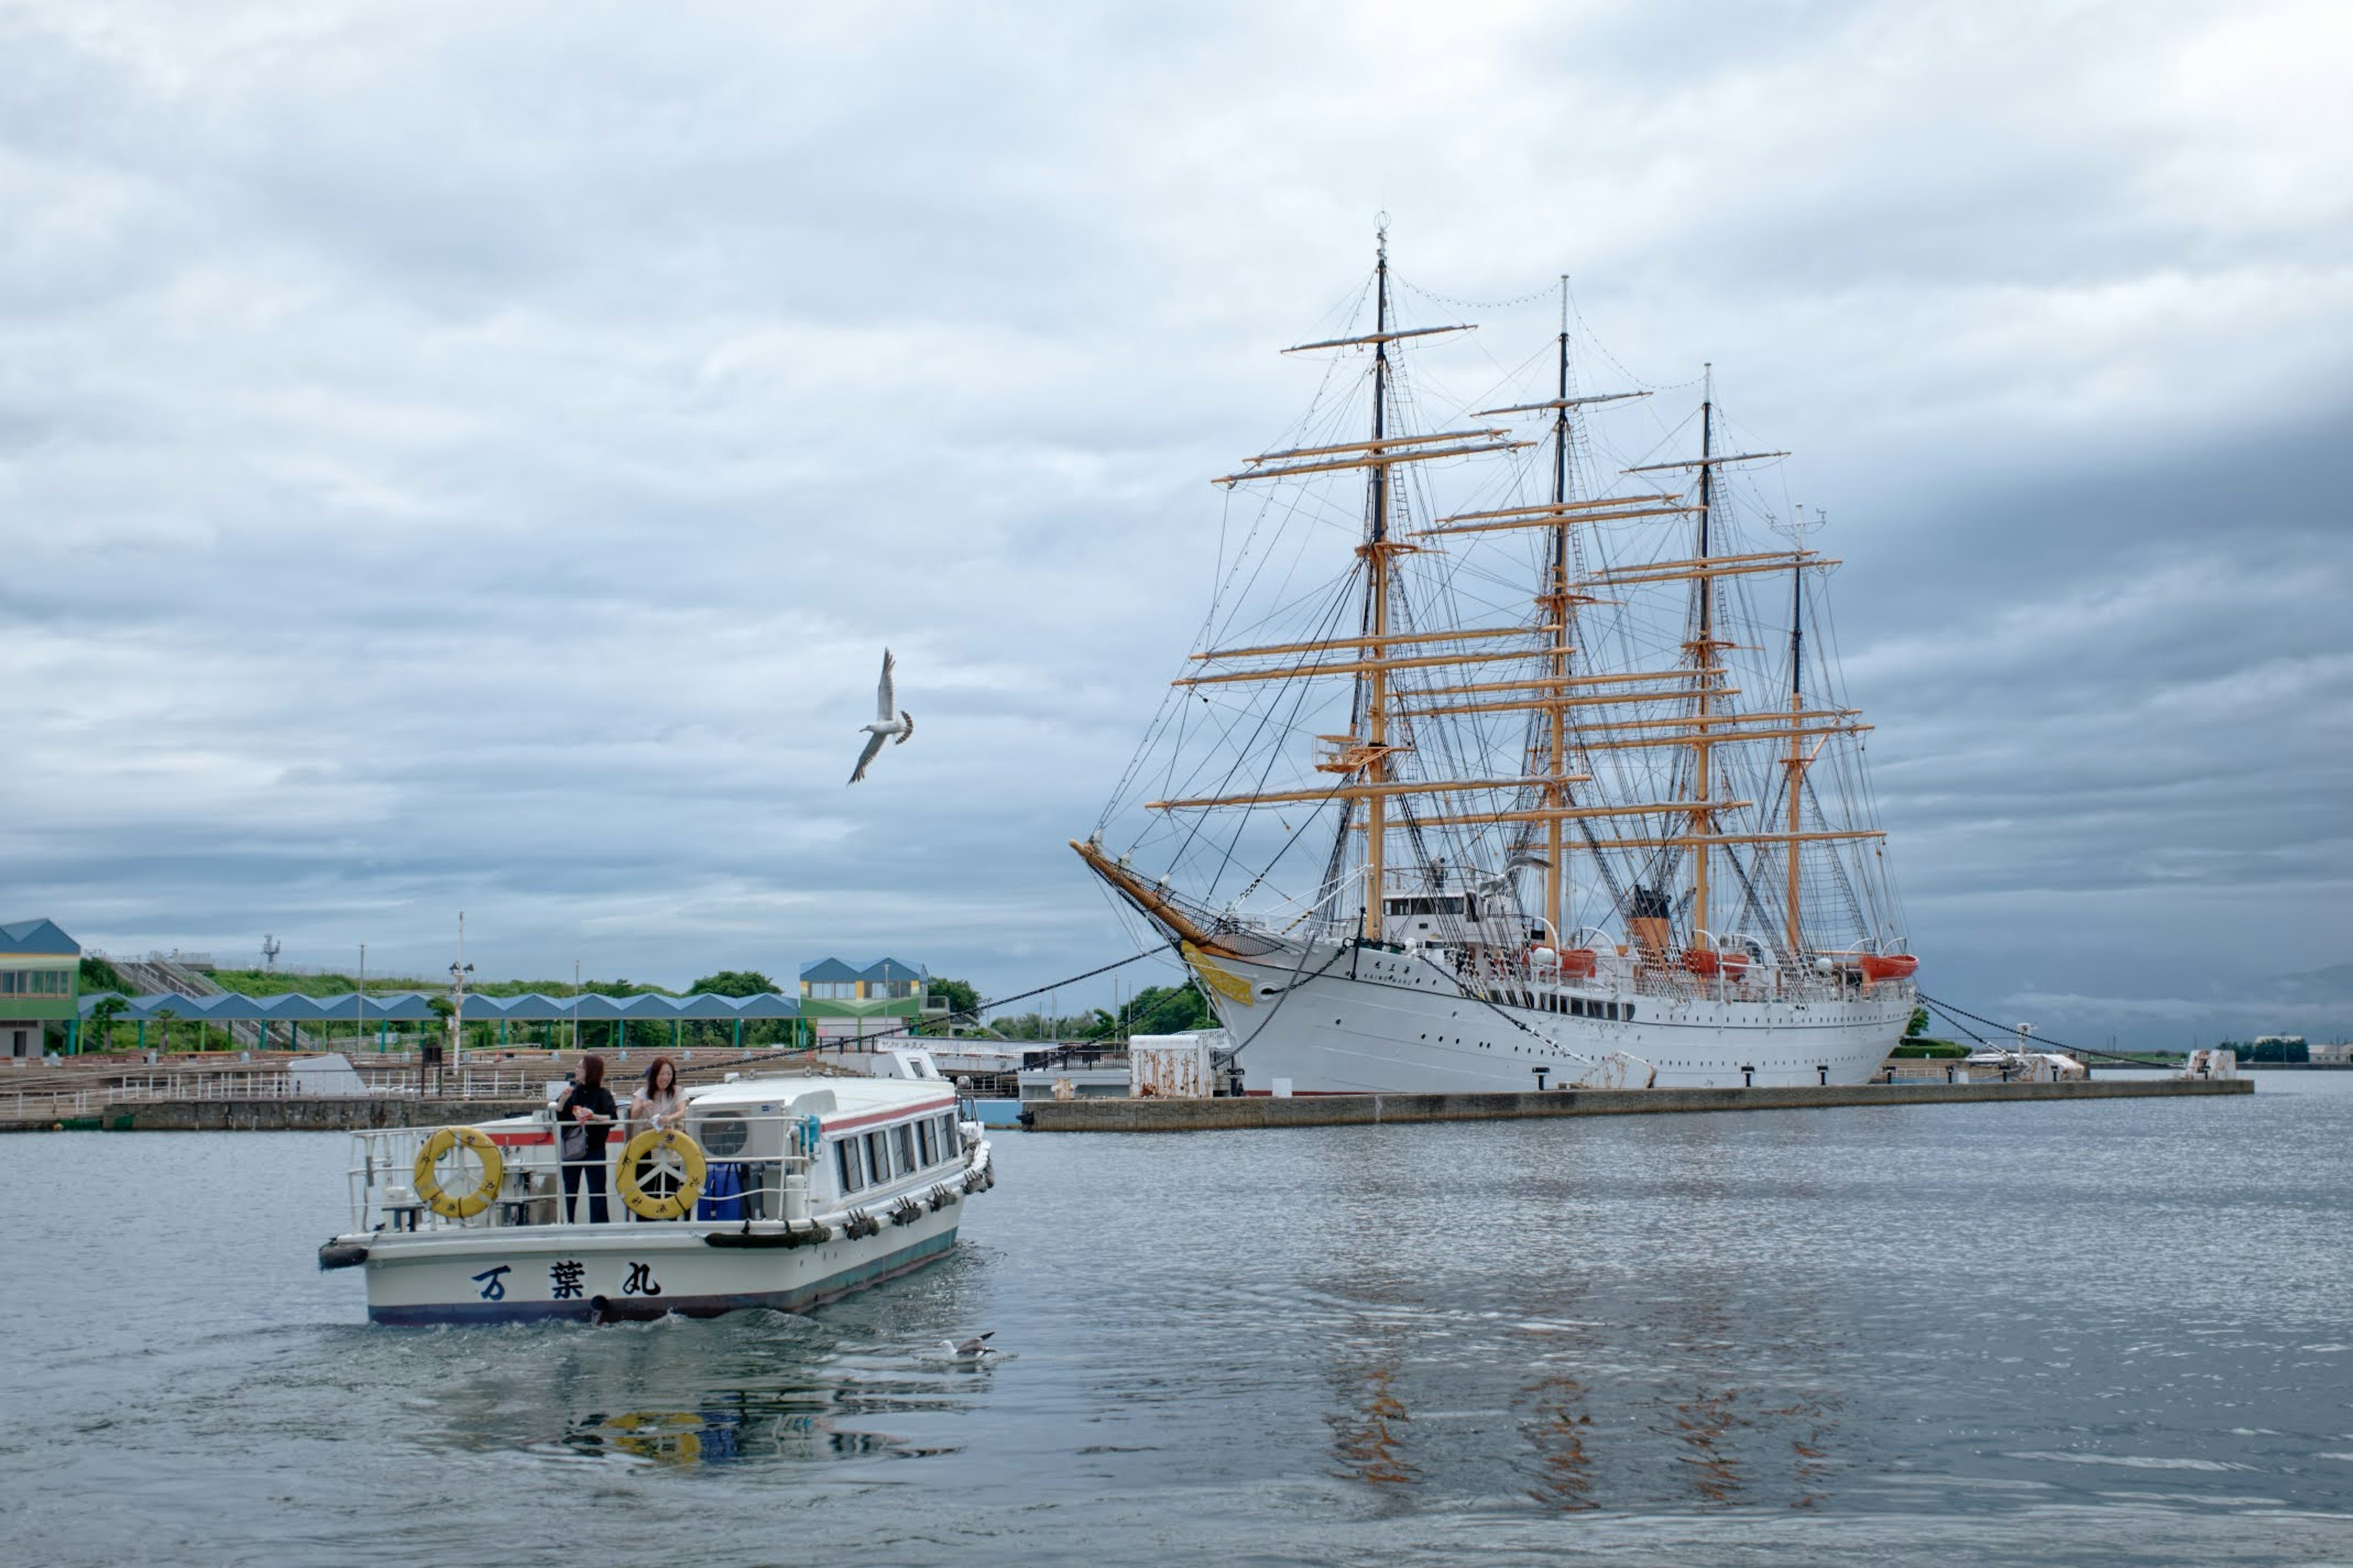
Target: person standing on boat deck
586,1116
658,1104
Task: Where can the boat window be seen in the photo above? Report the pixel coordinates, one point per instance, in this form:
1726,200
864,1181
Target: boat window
923,1142
845,1163
878,1158
903,1135
1630,1012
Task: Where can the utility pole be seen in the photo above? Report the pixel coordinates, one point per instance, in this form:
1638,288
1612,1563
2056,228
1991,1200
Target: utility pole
458,973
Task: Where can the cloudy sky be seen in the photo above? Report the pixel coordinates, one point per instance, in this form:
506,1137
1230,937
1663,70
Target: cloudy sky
462,456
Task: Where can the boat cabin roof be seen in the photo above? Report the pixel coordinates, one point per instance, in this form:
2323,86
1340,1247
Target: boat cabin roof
832,1100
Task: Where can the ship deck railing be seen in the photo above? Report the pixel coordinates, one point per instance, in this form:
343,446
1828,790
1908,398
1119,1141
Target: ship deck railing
1512,985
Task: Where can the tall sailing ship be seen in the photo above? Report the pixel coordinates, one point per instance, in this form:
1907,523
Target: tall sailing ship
1508,763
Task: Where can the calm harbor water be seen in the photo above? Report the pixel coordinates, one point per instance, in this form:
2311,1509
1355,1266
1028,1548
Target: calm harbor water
2111,1331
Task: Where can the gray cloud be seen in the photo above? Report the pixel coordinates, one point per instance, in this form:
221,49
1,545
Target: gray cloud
459,459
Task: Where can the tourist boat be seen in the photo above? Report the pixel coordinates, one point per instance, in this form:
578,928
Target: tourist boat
1514,757
784,1193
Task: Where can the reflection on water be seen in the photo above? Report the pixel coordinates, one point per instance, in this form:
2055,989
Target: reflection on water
1556,1424
1989,1333
757,1388
753,1427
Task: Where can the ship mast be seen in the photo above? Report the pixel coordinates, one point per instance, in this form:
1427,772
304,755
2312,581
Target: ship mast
1703,650
1376,607
1796,763
1556,601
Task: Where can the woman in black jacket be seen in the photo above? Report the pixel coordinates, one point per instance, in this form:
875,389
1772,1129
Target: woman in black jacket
584,1119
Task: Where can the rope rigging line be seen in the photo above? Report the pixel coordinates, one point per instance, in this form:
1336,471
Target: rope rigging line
1950,1011
1548,291
972,1012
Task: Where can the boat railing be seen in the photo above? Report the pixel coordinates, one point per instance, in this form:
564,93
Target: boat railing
762,1168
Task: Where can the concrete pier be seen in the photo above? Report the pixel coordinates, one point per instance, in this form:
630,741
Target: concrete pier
1366,1110
341,1113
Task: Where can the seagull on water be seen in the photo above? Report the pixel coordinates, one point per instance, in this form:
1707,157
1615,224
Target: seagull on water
889,722
976,1348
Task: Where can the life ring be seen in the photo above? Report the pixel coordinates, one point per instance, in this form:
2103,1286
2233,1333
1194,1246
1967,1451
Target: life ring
661,1174
428,1173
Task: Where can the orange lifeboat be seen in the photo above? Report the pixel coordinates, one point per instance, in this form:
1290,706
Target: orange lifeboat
1888,966
1578,964
1705,961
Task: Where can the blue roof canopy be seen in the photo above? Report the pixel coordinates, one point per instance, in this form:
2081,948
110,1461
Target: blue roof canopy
411,1007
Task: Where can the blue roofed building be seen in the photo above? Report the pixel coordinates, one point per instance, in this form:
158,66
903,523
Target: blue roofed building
41,984
844,1003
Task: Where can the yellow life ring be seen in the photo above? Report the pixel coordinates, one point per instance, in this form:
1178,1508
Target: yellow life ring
472,1141
661,1174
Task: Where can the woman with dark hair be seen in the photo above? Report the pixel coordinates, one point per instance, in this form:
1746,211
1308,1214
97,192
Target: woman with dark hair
658,1104
583,1117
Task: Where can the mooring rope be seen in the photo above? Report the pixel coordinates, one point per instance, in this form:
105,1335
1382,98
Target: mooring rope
1957,1014
975,1011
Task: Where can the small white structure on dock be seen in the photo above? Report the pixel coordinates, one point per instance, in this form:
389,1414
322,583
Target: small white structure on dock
1174,1067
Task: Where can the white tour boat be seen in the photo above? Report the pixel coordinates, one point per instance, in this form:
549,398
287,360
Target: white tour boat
776,1192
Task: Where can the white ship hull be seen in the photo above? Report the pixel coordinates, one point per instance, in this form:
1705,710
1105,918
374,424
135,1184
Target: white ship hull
609,1272
1357,1019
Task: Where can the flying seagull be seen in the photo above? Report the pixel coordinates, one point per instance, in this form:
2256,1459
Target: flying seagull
976,1348
888,724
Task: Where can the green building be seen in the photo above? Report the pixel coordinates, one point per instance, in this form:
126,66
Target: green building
845,1005
41,984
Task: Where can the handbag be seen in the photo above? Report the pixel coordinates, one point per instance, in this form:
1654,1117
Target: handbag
575,1143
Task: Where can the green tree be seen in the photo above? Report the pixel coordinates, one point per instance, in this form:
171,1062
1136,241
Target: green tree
165,1016
1919,1024
964,1000
735,983
103,1014
96,974
1168,1010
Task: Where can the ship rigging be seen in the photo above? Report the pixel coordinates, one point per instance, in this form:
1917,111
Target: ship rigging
1553,754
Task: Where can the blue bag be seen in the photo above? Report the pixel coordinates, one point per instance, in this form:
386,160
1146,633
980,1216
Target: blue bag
722,1192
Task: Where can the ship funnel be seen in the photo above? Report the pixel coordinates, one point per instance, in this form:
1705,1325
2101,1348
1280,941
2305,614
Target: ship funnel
1647,916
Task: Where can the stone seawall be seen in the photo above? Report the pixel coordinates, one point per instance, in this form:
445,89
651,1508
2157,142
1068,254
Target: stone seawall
1345,1109
341,1113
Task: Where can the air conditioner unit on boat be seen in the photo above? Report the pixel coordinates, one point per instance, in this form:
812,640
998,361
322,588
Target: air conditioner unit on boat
759,1131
